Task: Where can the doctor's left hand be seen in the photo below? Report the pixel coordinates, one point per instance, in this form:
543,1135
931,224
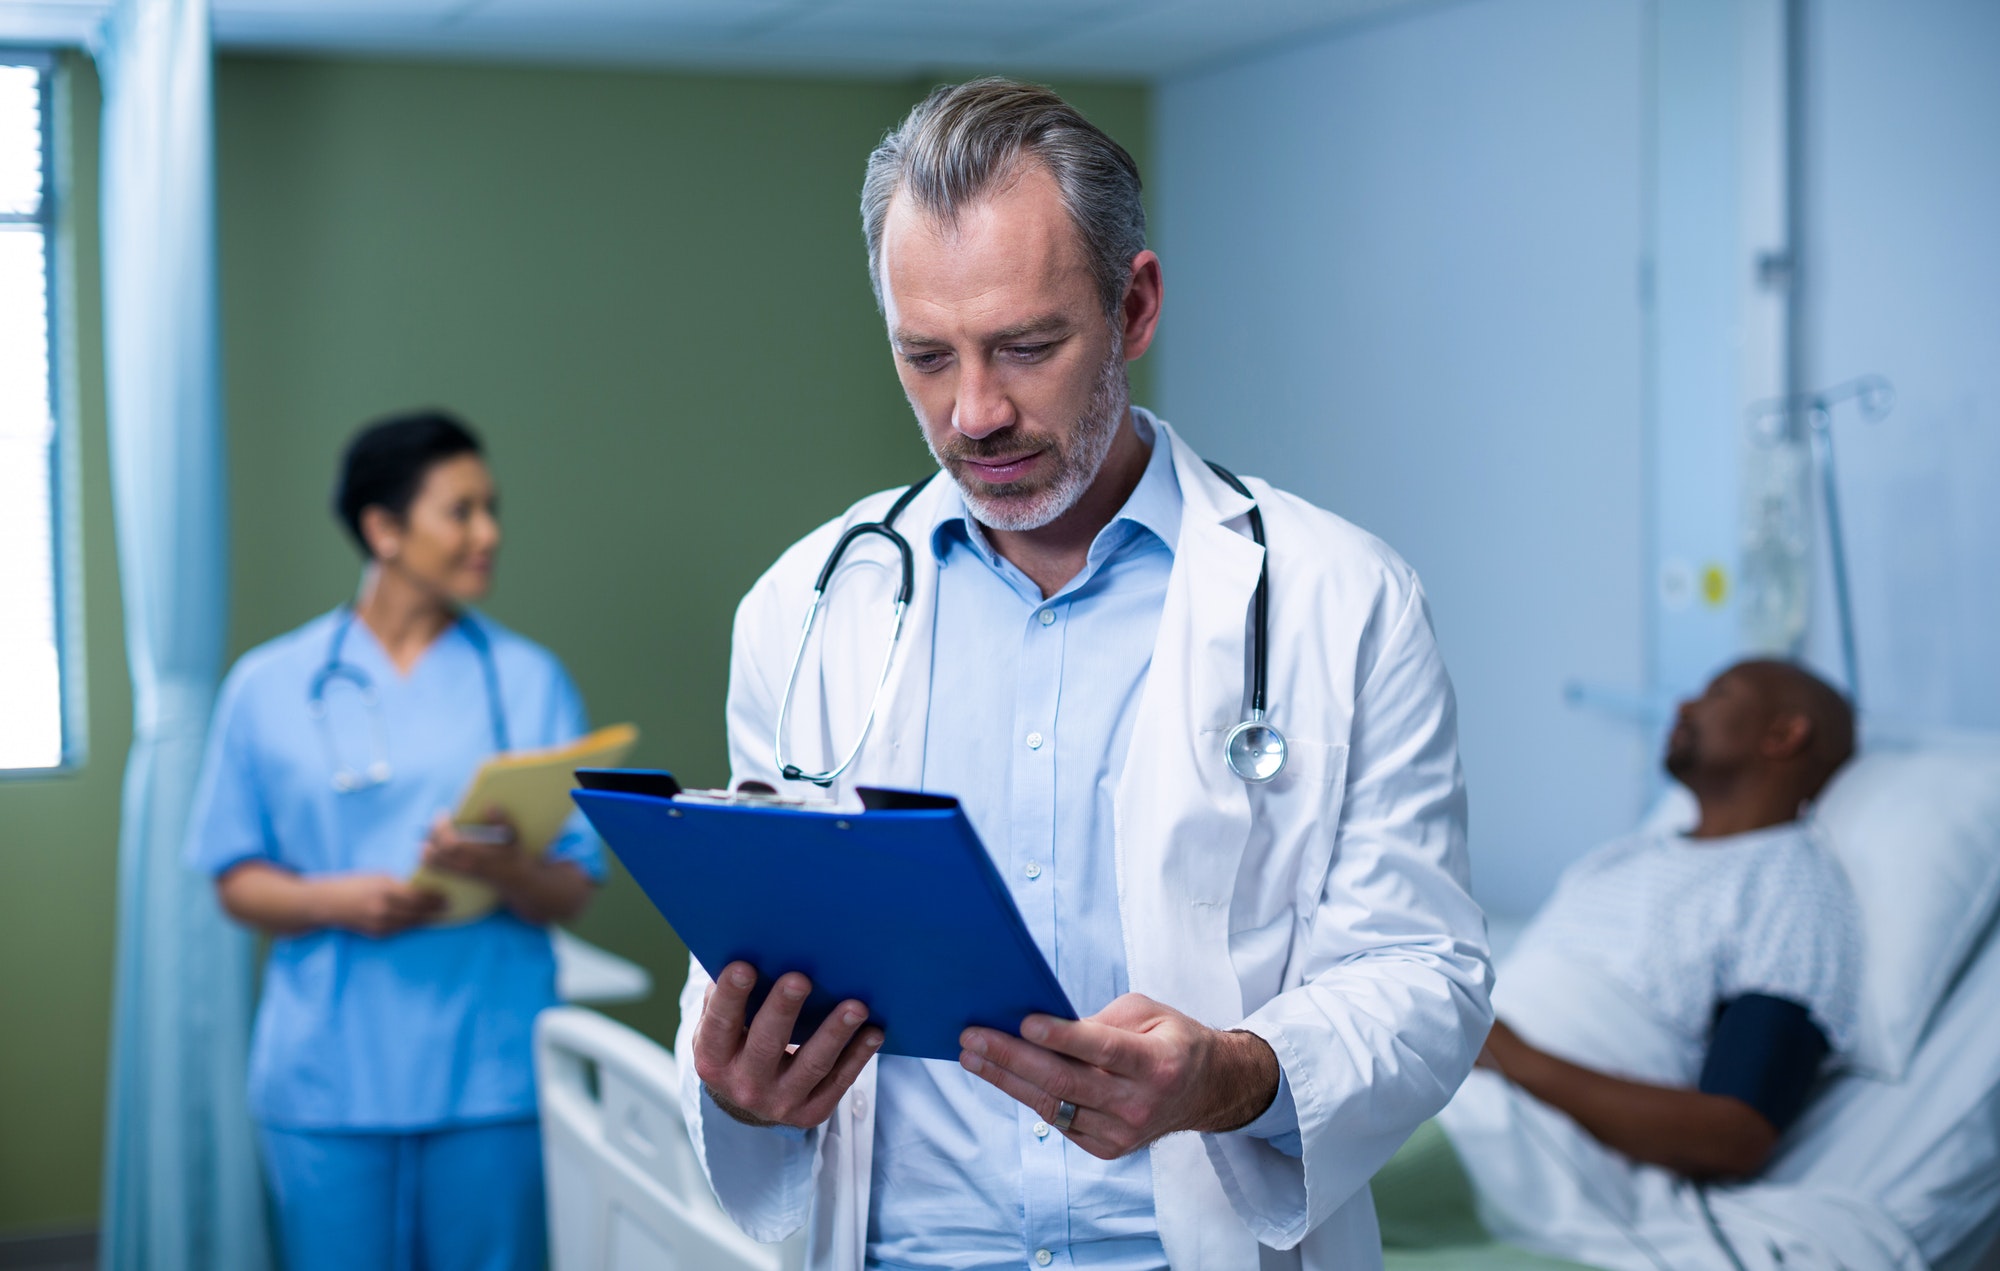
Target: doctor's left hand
1137,1071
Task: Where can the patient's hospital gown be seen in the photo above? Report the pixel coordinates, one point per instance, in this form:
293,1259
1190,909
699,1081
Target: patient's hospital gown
1684,925
1624,971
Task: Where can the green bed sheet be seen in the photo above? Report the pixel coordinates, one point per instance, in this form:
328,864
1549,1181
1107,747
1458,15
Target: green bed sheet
1423,1200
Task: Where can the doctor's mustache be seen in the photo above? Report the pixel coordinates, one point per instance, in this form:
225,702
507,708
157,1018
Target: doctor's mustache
1009,443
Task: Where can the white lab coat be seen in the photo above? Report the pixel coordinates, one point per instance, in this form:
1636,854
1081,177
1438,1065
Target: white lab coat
1327,912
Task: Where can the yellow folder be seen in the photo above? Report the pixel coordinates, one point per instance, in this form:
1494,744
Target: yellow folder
531,789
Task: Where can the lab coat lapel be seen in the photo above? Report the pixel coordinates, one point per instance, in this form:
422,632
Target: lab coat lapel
1183,820
1183,817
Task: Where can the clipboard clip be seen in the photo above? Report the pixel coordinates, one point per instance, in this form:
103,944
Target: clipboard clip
751,794
659,784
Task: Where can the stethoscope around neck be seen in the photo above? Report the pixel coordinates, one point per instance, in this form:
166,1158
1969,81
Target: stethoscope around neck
1254,749
377,771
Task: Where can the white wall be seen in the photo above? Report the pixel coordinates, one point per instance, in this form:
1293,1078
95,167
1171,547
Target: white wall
1403,271
1903,277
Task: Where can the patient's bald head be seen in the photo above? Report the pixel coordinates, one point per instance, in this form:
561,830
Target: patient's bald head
1765,734
1796,692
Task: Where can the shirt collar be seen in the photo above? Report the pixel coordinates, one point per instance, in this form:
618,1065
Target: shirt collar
1154,507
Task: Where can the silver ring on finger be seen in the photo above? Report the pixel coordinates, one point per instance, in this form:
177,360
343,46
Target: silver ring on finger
1065,1115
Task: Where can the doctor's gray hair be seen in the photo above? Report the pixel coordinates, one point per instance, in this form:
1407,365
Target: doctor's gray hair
965,139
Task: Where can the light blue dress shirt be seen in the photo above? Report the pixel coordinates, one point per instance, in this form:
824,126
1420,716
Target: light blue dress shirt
419,1031
1031,714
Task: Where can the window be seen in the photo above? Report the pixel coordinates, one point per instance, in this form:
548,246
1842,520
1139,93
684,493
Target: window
33,734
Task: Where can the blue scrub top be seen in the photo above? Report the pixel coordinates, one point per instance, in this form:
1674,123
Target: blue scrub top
418,1031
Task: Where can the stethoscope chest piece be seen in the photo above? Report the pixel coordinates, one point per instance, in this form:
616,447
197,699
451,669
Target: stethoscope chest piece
1255,750
376,771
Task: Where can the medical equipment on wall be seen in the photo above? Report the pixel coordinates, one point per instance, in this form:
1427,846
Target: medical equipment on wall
1774,578
1793,443
348,780
1254,750
1789,450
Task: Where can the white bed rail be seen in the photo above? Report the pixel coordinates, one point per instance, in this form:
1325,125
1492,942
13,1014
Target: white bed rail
624,1188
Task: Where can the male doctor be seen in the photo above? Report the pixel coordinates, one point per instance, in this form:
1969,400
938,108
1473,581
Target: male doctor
1280,981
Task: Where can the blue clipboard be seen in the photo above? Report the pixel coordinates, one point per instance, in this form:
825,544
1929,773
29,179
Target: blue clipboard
898,906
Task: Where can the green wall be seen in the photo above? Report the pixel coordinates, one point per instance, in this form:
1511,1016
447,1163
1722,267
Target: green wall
648,292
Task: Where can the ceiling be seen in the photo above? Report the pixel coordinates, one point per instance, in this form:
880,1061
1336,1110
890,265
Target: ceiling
1142,39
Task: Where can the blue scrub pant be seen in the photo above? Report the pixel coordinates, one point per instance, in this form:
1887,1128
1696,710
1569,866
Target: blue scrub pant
466,1199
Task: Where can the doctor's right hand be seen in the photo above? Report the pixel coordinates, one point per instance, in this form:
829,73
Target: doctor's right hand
754,1074
372,904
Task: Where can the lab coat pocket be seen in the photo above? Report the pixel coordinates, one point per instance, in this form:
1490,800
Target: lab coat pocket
1285,863
1291,836
1319,831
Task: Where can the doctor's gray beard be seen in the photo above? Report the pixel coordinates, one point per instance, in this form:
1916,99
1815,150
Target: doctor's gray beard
1078,457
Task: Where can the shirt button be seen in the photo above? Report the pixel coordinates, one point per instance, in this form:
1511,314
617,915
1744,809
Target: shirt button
1033,869
1041,1129
1043,1257
1034,741
1048,617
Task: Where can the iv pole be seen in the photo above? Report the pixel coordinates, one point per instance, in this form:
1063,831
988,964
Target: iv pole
1771,421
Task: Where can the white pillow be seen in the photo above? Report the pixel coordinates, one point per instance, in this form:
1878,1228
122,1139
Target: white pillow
1918,833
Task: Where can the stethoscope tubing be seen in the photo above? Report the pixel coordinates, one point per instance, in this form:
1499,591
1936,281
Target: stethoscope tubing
336,667
885,528
1260,620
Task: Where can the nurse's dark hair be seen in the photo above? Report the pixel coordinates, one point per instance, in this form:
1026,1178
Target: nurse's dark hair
966,140
384,464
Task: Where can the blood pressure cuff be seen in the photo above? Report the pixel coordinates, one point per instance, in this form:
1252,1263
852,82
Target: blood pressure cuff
1765,1051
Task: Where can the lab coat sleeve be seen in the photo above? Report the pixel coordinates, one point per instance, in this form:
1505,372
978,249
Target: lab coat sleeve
1278,1123
1392,979
762,1177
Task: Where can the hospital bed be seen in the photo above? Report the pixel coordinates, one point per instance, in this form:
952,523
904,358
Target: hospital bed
1906,1140
625,1192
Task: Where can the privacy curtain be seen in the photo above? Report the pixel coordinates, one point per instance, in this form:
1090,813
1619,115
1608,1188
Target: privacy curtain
181,1187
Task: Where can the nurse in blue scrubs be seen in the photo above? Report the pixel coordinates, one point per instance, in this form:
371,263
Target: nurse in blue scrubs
390,1070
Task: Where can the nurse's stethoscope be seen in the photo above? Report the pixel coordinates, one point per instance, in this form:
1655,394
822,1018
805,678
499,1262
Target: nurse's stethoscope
349,780
1254,749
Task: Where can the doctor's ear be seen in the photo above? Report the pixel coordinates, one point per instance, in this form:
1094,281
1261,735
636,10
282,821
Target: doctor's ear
382,530
1139,314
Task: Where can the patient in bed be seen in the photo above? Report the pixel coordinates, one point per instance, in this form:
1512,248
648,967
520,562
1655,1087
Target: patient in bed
1736,945
1663,1020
